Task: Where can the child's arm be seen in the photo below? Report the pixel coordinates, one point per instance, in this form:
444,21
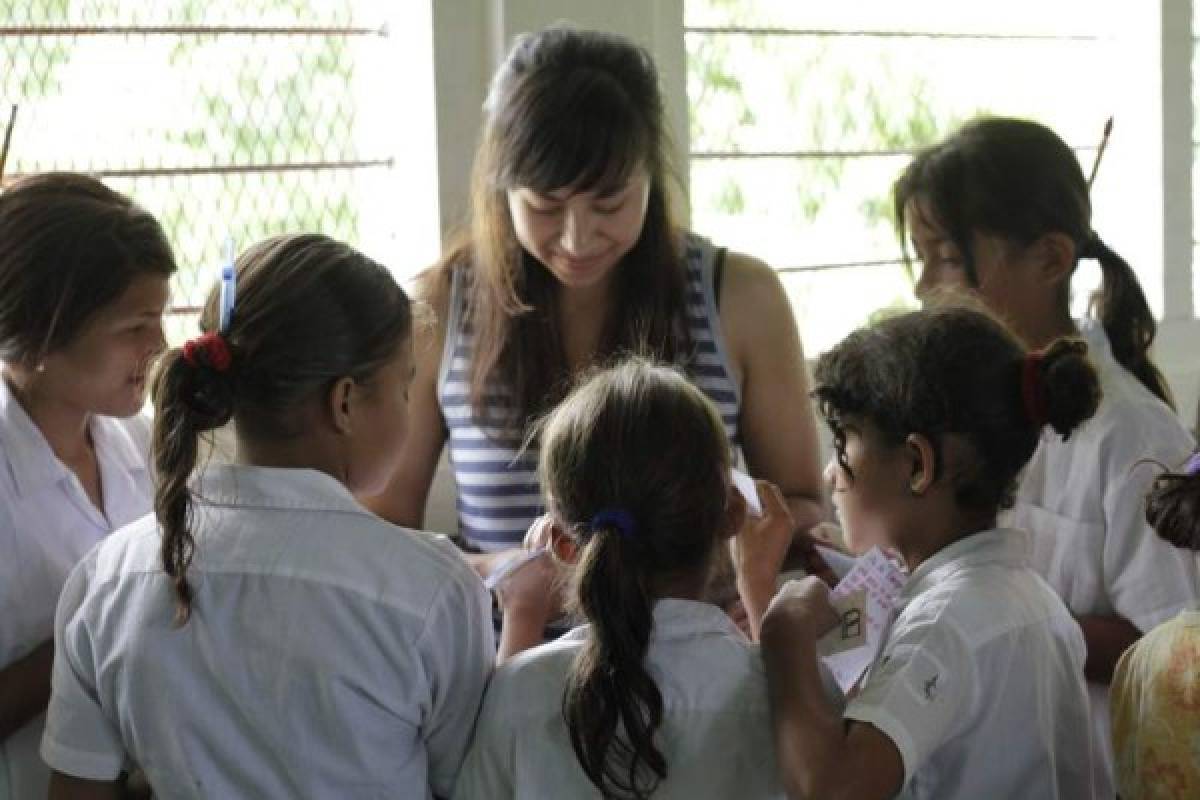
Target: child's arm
819,754
1107,638
25,689
65,787
759,549
529,599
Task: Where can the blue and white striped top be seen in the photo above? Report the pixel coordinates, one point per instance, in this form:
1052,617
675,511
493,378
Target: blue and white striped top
498,495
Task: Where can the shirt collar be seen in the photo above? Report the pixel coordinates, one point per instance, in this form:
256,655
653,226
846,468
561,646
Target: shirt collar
1001,546
31,462
275,488
676,619
115,445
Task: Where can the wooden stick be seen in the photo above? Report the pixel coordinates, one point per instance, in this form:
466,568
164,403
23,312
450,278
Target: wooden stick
1100,152
12,120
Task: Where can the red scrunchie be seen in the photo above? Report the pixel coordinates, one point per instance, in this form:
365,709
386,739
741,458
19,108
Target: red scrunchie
209,350
1033,390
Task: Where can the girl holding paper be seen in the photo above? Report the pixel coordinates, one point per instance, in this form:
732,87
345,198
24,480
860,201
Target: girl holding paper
978,690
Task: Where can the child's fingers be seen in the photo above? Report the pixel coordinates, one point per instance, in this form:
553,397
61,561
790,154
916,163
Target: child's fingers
807,603
539,533
772,500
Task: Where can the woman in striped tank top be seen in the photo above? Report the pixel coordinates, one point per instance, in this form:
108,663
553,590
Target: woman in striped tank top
573,255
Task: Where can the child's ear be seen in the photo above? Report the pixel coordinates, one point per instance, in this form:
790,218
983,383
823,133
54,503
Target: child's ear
340,404
922,463
735,512
1057,255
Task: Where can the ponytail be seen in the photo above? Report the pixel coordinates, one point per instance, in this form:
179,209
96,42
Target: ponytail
612,706
189,399
1128,321
1069,384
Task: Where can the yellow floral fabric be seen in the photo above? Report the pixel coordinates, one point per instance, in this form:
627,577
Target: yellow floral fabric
1156,713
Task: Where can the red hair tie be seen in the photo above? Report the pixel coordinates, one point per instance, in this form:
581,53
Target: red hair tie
208,350
1033,389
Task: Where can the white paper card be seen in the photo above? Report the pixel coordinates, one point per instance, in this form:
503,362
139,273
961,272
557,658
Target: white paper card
509,566
851,633
880,580
745,485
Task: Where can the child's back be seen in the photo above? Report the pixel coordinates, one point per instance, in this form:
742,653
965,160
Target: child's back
302,662
715,732
264,635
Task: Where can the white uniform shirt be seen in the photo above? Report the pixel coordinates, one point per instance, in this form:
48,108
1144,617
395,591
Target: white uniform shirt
328,654
980,681
1084,502
715,733
48,523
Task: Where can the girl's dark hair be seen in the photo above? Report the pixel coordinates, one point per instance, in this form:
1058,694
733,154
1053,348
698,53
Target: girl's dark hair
640,439
69,246
1173,507
567,108
309,310
956,372
1017,179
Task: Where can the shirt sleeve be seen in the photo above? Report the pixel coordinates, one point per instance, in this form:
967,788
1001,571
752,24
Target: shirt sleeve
488,773
1148,581
13,644
458,649
920,692
79,739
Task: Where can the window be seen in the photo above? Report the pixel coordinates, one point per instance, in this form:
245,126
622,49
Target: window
803,114
242,118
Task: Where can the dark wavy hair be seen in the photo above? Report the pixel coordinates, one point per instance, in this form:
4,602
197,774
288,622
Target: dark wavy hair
1173,506
571,108
69,246
1017,179
955,371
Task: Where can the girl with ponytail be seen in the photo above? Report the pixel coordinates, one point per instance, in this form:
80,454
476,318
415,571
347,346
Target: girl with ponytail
978,688
1001,210
658,694
262,634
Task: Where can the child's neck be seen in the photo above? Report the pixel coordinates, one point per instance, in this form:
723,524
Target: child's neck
682,586
1040,330
63,424
313,452
938,531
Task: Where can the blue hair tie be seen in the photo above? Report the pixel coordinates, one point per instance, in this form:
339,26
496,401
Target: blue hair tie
615,519
1192,467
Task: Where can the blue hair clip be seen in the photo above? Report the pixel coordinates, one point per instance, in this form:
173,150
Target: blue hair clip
228,287
1192,467
615,519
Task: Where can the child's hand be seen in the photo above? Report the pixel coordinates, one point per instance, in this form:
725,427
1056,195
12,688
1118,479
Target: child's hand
801,609
540,534
758,552
534,590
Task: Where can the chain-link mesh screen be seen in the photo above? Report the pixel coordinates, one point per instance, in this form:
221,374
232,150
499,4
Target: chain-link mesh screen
224,118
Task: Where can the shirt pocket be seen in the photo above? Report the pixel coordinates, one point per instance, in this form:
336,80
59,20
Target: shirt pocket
1068,553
